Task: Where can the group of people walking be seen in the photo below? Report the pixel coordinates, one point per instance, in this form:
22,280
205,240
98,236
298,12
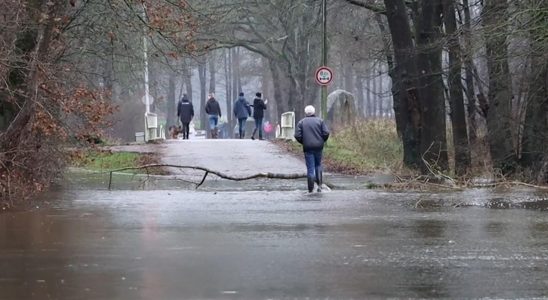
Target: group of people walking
311,131
242,111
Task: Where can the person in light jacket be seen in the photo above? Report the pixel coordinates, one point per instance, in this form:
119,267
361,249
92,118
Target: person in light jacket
312,133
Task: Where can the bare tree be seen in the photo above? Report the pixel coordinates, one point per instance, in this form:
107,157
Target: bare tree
500,87
458,118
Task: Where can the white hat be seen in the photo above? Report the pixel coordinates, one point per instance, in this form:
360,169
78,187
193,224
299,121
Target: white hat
309,110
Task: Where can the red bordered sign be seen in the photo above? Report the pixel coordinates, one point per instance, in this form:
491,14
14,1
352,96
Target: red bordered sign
324,75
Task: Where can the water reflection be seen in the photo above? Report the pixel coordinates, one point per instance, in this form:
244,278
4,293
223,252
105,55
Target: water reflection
171,244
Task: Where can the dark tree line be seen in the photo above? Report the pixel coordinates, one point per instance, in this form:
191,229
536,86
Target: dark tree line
421,32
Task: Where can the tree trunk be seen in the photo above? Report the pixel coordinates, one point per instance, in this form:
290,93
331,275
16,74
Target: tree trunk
238,76
535,133
405,72
368,95
291,99
396,85
458,118
236,88
278,96
432,101
171,104
380,92
187,74
469,75
266,79
212,73
375,94
228,79
348,77
360,97
202,78
500,88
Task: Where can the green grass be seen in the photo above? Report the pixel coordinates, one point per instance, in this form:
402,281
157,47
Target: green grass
365,147
104,161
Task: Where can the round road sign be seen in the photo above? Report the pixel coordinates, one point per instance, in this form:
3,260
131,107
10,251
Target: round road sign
324,75
150,100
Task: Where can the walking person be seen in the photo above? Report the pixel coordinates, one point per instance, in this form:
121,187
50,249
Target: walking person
242,111
213,109
185,112
312,133
259,107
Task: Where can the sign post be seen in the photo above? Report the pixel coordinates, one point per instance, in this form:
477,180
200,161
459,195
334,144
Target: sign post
324,76
324,60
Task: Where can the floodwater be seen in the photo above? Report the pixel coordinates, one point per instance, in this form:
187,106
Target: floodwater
167,242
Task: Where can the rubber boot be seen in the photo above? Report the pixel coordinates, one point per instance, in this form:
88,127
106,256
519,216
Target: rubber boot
310,184
319,181
214,133
253,134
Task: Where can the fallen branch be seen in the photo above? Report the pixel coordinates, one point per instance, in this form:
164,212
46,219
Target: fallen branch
208,171
510,183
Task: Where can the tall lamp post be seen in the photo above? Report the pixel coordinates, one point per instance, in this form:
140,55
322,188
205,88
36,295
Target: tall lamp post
151,119
147,95
324,57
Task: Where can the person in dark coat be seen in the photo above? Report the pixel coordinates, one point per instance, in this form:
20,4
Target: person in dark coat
185,112
242,111
213,109
259,107
312,133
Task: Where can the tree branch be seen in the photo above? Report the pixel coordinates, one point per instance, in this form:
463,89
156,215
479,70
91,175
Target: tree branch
374,8
207,171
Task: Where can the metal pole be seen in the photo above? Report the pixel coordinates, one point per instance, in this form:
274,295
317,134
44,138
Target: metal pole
324,58
147,100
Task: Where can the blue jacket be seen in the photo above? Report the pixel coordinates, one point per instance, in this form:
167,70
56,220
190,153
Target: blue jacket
312,133
242,108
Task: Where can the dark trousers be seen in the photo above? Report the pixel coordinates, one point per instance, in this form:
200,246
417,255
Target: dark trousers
186,130
258,126
241,127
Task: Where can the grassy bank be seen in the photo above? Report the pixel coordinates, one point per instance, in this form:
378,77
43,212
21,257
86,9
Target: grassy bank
368,146
101,161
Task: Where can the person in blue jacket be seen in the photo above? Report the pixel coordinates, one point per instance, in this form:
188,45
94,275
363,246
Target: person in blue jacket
242,111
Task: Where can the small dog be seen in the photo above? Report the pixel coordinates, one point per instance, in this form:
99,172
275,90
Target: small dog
174,131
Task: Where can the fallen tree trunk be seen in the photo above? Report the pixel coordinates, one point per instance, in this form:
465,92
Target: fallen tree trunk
208,171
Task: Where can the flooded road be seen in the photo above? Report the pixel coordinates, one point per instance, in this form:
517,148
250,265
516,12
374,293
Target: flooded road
186,244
